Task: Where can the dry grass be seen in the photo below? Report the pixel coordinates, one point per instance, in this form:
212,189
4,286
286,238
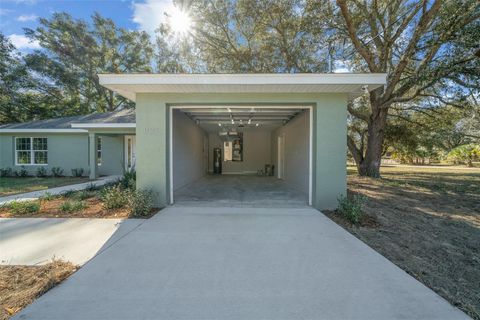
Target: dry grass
21,285
427,221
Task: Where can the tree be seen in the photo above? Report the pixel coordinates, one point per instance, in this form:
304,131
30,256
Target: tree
18,100
74,52
424,48
257,36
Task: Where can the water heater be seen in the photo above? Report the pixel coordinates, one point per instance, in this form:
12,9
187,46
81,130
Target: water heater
217,160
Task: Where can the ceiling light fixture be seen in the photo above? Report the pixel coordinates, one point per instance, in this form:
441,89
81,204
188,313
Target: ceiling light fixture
256,125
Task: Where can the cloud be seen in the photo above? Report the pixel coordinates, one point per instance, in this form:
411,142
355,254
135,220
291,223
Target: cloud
26,1
27,17
22,42
150,14
4,12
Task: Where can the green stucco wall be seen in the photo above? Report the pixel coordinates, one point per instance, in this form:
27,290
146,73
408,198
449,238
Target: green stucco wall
329,141
329,151
67,151
152,146
112,155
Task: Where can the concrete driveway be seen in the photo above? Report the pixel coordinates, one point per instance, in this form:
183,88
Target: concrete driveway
32,241
239,263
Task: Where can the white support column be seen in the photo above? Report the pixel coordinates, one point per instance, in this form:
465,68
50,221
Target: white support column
92,150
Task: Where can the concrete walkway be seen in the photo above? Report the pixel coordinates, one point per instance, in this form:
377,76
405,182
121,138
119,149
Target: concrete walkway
58,190
240,263
32,241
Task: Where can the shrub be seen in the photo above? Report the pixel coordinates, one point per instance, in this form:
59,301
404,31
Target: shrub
22,172
24,207
6,172
41,172
77,172
351,209
48,196
140,203
465,153
74,206
128,181
114,197
84,194
57,172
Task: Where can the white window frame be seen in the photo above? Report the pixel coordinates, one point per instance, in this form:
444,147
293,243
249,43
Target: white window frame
99,151
32,152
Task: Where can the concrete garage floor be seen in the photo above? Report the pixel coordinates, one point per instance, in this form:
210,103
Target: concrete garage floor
240,191
240,263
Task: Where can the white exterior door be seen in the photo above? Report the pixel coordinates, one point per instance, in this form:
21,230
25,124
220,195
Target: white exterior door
129,152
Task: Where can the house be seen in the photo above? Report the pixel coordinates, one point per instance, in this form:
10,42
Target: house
64,143
188,126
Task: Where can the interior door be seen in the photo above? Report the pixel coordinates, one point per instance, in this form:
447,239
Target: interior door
281,157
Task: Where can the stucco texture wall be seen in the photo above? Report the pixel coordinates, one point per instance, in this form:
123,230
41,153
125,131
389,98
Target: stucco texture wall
67,151
188,150
296,134
329,142
113,157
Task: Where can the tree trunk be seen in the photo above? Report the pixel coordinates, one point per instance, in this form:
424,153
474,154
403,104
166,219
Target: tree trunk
370,165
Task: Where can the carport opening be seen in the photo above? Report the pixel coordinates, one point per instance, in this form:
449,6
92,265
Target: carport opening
252,155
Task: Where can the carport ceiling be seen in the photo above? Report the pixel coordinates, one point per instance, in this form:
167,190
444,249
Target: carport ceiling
241,116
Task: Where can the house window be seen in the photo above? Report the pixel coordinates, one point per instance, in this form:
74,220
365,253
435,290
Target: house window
31,151
99,151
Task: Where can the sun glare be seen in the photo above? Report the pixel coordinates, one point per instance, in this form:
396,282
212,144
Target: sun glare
180,21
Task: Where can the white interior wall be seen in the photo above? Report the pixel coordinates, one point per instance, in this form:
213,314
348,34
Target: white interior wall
296,144
188,150
257,152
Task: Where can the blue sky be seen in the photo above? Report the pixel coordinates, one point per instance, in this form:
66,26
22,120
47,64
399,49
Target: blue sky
137,14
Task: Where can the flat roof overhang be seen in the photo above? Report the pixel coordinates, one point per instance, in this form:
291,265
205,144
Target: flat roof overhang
129,85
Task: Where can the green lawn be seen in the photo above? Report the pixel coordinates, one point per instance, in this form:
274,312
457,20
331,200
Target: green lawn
10,185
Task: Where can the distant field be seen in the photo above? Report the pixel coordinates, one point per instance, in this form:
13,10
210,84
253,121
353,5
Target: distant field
427,221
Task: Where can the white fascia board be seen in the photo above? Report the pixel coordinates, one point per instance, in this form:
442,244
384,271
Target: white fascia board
103,125
244,79
129,85
43,131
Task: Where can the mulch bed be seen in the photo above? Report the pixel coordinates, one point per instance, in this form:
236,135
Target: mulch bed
94,209
21,285
51,209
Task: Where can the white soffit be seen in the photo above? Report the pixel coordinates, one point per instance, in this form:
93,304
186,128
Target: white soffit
128,85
